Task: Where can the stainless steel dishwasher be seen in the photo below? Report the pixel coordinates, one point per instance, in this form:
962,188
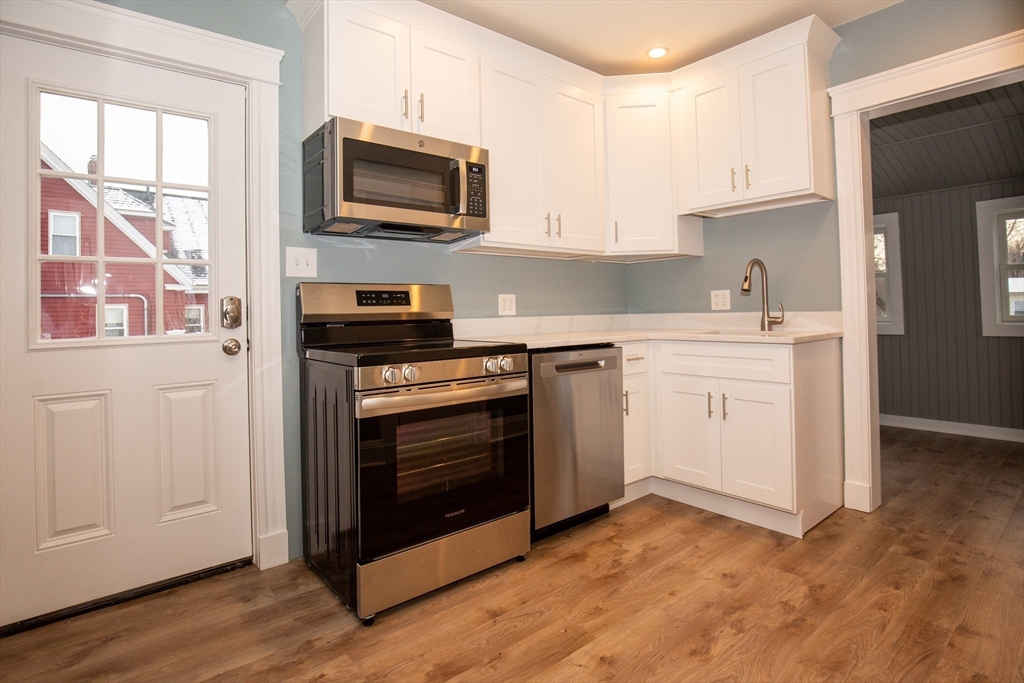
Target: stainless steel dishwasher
576,410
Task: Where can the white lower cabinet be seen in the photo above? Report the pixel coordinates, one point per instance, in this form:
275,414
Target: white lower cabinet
756,422
636,419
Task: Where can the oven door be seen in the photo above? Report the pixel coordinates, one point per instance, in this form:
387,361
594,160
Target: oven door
437,459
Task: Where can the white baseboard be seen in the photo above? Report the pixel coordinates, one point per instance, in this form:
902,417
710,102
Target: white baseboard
857,496
960,428
272,550
634,491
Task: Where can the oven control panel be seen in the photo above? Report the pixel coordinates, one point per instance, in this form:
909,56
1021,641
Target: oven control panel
427,372
379,297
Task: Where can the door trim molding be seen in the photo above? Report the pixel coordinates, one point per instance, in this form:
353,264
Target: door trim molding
79,24
971,69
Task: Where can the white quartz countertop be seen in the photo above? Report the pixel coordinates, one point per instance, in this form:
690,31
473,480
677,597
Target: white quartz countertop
743,336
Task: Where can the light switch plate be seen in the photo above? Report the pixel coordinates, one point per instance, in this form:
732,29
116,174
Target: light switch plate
506,304
720,300
299,262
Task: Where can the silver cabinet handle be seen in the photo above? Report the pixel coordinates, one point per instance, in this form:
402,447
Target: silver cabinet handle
746,174
725,413
710,412
405,104
558,221
633,359
421,108
733,172
625,394
616,231
547,217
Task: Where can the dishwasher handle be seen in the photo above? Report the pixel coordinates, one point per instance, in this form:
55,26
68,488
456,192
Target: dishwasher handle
576,367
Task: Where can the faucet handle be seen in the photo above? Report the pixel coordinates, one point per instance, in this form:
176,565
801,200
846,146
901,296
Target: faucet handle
772,320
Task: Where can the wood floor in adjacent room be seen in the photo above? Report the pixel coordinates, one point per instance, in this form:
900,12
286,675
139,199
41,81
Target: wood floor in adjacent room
930,587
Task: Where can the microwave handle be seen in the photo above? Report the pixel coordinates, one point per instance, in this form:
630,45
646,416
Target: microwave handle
463,188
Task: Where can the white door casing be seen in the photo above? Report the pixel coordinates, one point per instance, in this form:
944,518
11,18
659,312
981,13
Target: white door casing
133,37
986,65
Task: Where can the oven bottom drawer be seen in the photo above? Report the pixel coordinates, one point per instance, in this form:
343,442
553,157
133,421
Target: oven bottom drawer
411,573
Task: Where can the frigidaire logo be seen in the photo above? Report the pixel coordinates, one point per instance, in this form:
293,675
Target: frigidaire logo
457,512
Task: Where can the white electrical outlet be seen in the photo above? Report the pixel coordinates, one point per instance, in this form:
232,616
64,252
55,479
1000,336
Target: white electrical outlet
299,262
506,304
720,300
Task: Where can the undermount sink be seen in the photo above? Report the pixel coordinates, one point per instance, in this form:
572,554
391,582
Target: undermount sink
747,333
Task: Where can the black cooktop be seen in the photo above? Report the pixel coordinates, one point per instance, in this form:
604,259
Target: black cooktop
418,352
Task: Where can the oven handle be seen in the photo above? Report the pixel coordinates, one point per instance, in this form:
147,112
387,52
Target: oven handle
383,405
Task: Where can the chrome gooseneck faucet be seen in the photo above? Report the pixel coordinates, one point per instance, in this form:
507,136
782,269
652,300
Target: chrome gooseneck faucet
766,320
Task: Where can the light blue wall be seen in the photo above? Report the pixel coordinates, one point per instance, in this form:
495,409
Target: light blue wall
799,244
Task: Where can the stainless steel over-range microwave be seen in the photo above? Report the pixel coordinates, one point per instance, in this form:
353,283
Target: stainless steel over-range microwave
363,180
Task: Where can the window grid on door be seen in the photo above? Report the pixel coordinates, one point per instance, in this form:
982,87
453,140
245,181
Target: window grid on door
152,282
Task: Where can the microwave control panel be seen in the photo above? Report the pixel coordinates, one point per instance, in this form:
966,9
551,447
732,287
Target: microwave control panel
476,184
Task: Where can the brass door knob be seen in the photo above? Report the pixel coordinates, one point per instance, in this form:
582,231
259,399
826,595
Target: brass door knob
232,347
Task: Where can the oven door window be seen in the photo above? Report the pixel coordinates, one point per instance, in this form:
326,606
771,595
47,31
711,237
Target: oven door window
428,473
389,176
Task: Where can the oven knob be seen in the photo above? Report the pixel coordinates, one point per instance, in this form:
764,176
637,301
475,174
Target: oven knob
491,365
411,373
390,375
505,363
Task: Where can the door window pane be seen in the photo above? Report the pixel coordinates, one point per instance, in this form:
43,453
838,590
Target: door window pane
186,150
130,225
67,133
67,300
129,136
186,304
187,226
133,285
67,217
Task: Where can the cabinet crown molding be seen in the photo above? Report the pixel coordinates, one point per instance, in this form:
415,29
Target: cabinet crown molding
810,30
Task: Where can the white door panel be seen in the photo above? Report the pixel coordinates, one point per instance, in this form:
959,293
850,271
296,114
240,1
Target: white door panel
123,461
691,438
446,85
757,448
576,169
711,122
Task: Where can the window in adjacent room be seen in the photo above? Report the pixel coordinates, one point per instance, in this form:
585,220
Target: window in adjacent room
1001,266
65,233
888,274
116,320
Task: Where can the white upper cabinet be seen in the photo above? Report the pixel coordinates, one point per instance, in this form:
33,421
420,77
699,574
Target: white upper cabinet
446,86
513,133
752,124
576,168
368,67
641,213
384,72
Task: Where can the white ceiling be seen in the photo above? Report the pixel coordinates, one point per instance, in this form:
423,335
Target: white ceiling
612,37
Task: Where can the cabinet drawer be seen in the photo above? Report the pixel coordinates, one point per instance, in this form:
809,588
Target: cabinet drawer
758,362
634,357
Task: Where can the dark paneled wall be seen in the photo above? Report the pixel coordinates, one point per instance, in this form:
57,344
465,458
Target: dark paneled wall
943,368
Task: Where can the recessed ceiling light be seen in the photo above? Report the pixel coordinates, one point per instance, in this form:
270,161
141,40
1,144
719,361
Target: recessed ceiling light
657,52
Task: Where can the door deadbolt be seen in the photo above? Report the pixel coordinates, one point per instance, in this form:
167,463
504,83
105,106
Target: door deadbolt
231,312
231,347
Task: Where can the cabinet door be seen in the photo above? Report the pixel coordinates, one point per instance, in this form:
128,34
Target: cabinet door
711,141
446,89
774,111
513,103
576,168
757,443
368,64
639,146
635,428
690,435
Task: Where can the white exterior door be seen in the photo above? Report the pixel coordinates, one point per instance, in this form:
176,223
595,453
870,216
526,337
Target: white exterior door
125,447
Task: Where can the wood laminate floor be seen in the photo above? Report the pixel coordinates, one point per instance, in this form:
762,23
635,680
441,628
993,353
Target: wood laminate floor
930,587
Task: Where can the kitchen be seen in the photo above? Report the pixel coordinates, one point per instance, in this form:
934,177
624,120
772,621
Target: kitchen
799,244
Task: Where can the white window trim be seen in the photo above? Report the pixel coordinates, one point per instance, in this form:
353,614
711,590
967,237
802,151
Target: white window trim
124,317
78,229
202,316
989,256
890,223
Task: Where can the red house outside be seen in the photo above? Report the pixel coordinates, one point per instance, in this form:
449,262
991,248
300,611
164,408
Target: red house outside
68,220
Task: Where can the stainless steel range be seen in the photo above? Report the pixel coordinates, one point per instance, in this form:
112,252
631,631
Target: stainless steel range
415,445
